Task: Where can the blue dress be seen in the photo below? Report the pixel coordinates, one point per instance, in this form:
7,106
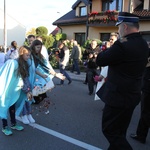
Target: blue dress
38,84
23,96
42,85
11,86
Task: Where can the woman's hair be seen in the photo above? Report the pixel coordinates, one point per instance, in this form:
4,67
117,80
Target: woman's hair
34,54
14,44
23,67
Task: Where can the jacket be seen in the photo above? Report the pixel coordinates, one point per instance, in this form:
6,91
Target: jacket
126,60
75,54
64,56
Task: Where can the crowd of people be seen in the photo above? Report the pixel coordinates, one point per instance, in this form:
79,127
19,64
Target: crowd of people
122,63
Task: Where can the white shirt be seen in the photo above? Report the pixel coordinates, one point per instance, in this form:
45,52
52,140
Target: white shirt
45,53
12,54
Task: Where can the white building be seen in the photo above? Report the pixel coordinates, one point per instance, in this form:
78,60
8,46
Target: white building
15,30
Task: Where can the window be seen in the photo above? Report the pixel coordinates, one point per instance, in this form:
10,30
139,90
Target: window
80,38
105,36
114,5
83,11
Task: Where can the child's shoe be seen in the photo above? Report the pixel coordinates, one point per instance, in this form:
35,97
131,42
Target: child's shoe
25,119
17,127
30,118
7,131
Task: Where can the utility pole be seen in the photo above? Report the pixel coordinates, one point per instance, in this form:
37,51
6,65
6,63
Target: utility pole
5,28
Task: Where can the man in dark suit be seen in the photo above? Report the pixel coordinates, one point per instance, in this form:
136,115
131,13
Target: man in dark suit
126,60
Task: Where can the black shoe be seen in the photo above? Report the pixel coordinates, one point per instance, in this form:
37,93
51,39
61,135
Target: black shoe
69,82
137,138
77,73
84,82
90,93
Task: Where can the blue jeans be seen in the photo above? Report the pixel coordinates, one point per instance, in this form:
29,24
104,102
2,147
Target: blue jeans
75,66
63,71
26,108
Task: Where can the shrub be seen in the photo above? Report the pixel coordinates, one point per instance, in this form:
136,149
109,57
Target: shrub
41,31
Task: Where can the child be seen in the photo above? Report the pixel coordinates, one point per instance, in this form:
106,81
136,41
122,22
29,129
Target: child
14,78
42,79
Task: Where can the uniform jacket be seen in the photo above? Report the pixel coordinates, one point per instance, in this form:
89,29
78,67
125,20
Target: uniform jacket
126,61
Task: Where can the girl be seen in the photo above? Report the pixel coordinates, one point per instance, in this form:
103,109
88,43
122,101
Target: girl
44,71
14,78
42,79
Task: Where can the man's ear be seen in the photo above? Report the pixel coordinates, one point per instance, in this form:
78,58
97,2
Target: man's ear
125,26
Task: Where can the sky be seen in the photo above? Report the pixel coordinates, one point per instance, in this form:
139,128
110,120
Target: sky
35,13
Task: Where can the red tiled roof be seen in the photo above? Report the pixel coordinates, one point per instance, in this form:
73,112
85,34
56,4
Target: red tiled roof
142,13
55,31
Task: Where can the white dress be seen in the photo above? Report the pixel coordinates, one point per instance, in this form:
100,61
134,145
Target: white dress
100,83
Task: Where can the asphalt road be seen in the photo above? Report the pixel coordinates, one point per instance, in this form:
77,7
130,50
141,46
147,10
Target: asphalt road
73,123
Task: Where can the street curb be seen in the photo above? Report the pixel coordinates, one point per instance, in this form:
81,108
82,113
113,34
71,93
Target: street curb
75,77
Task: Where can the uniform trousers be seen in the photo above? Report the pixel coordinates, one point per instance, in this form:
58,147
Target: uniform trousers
115,122
144,122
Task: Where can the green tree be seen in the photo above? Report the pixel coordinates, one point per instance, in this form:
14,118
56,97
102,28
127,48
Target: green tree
49,41
60,36
41,31
31,31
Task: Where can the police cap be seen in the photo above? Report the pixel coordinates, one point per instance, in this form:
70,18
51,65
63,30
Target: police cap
127,17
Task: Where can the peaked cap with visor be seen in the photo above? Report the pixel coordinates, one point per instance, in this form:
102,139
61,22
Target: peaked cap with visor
127,17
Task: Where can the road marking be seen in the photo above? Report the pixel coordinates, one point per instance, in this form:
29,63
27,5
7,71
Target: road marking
63,137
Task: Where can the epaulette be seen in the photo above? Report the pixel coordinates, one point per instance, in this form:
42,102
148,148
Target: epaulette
123,39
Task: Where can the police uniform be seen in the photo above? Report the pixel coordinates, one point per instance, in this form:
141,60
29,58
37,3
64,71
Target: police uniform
126,60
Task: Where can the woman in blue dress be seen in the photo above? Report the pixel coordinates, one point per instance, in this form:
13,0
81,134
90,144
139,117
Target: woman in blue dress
14,79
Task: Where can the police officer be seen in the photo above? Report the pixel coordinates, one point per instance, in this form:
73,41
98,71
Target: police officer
126,60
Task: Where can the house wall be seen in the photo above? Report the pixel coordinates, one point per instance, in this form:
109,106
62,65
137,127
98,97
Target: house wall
71,30
94,32
96,5
146,4
144,26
